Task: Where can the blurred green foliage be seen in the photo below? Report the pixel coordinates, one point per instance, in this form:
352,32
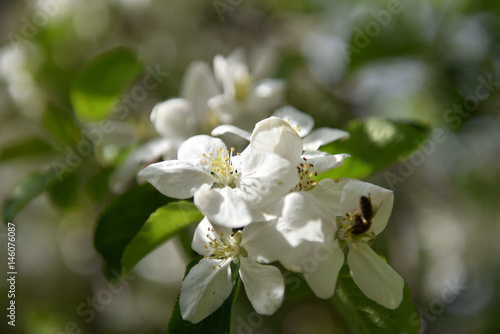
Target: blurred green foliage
99,84
375,143
426,59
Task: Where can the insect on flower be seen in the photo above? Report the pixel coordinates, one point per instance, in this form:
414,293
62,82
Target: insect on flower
363,218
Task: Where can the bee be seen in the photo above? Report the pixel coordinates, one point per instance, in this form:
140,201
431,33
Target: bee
363,218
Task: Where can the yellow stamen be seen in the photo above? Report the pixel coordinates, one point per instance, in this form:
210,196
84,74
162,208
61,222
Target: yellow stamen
222,168
306,176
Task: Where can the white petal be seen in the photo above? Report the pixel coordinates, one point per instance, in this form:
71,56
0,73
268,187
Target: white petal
194,148
321,267
226,128
203,233
264,285
237,58
220,67
198,85
314,154
263,61
276,136
323,136
272,209
374,277
153,149
303,218
204,289
233,136
223,207
200,237
269,92
237,64
253,109
176,179
382,200
225,109
174,118
230,69
264,243
382,215
329,193
328,162
265,177
218,101
223,74
292,260
296,118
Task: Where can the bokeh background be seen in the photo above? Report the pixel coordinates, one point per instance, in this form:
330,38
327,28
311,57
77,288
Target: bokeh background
435,61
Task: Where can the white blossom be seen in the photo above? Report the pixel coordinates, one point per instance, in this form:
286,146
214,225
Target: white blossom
303,124
246,98
307,189
338,217
209,283
226,185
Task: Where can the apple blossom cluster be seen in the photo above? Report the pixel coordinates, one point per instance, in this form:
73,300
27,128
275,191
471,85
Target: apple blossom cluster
264,205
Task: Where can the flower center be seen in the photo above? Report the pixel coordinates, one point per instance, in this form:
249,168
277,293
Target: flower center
242,87
353,228
222,168
224,248
306,176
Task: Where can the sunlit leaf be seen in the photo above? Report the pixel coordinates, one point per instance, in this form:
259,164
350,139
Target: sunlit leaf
27,188
364,316
161,225
375,143
218,322
120,222
101,81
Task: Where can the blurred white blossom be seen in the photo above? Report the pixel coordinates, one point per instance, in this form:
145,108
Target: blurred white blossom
246,98
175,120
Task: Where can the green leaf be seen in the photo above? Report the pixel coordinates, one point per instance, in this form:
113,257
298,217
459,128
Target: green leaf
364,316
120,222
27,148
186,238
27,188
61,123
101,81
97,186
375,143
218,322
161,225
65,193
